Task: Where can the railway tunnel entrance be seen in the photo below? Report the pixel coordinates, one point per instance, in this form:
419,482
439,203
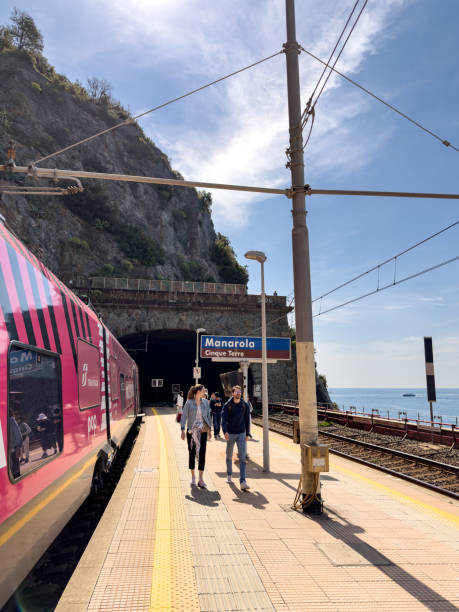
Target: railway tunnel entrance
170,355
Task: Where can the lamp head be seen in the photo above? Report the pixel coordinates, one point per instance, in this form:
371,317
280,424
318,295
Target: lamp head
200,329
256,255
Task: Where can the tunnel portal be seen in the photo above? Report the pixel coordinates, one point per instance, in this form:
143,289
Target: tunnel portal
170,355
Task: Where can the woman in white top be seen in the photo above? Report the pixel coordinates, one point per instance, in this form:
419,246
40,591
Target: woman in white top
179,405
196,421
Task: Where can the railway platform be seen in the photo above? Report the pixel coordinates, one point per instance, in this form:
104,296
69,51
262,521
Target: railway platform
163,545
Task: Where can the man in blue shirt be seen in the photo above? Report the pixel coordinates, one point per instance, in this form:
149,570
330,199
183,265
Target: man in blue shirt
236,427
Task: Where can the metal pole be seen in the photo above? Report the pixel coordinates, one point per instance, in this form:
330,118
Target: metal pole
196,380
264,374
301,268
244,365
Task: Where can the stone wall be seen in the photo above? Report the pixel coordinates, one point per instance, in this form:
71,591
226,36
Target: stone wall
130,312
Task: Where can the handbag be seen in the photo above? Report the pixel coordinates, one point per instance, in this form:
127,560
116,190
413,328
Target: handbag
178,418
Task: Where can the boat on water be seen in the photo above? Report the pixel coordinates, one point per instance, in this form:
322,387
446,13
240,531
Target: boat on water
409,395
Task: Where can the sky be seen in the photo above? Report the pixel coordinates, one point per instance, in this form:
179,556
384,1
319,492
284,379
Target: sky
405,51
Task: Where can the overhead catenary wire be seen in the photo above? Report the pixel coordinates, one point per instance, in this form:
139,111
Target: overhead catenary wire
330,58
155,108
341,51
393,258
310,107
445,142
402,280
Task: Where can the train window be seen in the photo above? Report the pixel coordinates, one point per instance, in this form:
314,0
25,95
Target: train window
35,430
123,392
88,375
113,379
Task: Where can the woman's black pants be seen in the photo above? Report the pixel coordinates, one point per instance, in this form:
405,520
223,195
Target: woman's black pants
192,452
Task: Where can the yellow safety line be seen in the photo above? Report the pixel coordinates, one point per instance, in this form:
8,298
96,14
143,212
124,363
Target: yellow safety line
174,581
406,498
161,596
27,517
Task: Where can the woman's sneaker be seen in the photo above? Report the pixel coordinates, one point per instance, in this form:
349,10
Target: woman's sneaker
193,482
228,479
244,485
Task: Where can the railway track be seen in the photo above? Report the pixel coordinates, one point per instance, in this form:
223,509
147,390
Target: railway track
438,476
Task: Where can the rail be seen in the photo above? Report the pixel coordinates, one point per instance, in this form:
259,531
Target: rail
442,478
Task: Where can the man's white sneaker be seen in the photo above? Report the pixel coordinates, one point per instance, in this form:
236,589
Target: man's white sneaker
244,485
228,479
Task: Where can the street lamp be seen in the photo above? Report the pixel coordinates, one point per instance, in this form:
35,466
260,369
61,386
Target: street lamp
261,258
196,363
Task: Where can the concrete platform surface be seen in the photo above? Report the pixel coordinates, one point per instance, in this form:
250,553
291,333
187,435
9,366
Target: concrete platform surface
382,543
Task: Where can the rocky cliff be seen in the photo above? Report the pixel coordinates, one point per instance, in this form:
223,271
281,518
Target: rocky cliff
112,228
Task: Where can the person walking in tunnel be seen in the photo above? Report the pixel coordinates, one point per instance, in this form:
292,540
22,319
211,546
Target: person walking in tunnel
216,411
236,427
197,425
179,406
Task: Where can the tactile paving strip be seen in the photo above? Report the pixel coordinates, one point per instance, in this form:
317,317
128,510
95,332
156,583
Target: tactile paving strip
173,579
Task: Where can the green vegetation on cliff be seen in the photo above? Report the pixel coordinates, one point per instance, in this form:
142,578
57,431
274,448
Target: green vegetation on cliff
125,229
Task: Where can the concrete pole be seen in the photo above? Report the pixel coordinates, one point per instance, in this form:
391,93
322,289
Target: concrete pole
301,267
264,374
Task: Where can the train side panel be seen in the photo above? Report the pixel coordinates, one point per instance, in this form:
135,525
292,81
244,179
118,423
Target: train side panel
54,417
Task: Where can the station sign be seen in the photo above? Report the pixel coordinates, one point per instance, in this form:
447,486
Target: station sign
236,348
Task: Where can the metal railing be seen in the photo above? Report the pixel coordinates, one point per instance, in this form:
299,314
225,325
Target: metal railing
171,286
439,421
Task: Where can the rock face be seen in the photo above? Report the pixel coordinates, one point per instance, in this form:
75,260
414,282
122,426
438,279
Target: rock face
124,229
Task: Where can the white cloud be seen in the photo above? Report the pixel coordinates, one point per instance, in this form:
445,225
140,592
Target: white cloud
242,131
436,300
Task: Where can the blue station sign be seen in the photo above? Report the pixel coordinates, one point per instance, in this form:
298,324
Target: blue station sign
243,347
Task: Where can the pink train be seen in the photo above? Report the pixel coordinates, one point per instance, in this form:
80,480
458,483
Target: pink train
68,396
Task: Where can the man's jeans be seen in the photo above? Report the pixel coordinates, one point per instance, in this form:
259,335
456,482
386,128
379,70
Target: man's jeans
217,421
241,446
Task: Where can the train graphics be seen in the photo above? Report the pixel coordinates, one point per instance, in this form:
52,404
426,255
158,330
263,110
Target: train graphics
68,396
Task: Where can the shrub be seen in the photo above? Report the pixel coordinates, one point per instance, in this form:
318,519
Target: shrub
127,266
205,198
107,269
228,267
36,86
192,270
79,242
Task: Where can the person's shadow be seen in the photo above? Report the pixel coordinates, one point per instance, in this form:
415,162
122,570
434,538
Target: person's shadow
204,497
255,498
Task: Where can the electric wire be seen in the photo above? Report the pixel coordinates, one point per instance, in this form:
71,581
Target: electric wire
394,257
309,111
330,58
339,54
373,95
151,110
402,280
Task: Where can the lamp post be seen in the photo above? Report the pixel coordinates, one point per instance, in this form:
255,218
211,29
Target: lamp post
196,363
261,258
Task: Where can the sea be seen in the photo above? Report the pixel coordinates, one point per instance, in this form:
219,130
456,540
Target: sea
392,403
